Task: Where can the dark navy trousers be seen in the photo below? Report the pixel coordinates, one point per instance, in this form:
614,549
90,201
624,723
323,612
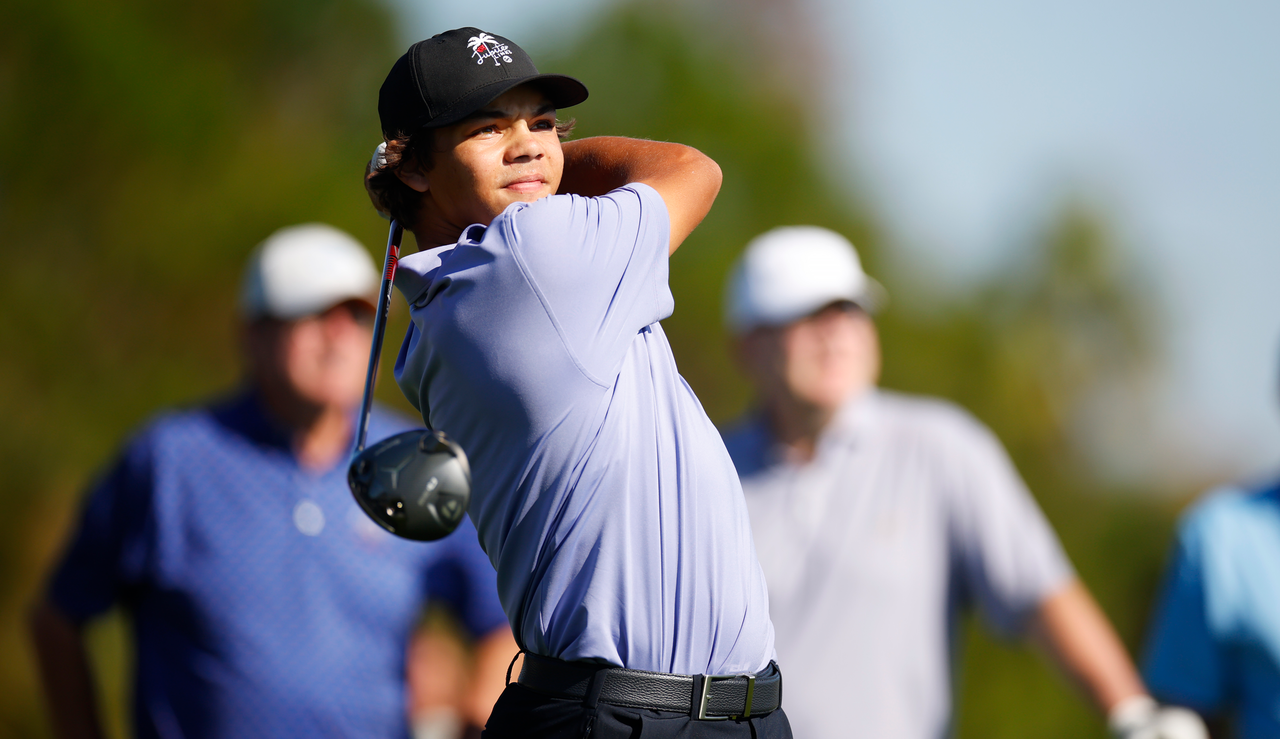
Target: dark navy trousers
526,714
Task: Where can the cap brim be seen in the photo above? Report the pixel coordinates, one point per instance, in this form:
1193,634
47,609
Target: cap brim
563,92
872,299
308,309
366,301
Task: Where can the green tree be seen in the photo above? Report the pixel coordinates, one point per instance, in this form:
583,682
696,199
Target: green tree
1027,352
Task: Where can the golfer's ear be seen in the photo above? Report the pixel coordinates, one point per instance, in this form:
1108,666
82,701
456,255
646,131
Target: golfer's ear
411,174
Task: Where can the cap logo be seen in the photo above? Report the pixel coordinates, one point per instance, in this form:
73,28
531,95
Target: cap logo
485,46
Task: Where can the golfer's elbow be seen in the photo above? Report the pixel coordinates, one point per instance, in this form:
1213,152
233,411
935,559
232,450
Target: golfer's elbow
703,174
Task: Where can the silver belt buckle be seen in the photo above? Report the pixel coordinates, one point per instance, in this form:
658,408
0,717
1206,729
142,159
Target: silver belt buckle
706,695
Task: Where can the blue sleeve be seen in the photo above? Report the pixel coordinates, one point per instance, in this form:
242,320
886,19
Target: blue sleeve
107,554
462,577
1184,663
599,266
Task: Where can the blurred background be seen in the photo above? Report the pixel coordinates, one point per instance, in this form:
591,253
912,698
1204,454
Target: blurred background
1075,207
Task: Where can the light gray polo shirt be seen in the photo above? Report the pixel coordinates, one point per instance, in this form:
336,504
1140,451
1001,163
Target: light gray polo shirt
909,510
602,493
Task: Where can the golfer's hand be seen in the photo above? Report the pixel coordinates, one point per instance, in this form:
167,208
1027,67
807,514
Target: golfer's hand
1141,717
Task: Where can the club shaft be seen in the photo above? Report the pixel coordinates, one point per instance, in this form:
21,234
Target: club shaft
394,236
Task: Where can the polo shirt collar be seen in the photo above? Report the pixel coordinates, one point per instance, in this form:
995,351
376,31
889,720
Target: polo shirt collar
246,414
851,422
855,416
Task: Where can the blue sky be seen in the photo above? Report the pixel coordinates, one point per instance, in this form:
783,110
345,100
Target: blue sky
966,116
967,120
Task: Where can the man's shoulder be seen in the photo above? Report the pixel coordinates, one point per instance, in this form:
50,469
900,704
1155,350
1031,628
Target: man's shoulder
749,442
1220,514
925,416
167,442
1229,539
175,425
891,418
746,426
936,431
521,221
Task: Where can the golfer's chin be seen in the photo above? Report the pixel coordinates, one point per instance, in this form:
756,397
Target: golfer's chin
527,192
504,197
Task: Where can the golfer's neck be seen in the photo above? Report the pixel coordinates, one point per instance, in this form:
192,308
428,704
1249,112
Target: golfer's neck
433,230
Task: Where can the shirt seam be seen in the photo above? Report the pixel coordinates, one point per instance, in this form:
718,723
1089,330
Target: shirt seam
518,258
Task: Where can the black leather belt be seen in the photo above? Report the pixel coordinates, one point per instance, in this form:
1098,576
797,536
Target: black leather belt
706,697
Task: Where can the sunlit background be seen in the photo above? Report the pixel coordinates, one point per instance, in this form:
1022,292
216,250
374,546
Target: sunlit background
1075,207
963,125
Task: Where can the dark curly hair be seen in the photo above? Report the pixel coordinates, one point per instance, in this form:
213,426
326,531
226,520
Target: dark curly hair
393,198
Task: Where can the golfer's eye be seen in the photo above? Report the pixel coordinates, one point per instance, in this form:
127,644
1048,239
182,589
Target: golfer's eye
485,130
544,125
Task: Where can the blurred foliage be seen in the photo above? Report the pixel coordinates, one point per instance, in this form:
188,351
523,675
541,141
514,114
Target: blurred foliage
146,147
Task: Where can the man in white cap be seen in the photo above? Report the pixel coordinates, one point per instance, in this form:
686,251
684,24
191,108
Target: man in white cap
877,516
263,602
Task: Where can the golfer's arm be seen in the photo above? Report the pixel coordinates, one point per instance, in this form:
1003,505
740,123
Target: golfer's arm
1072,628
687,179
64,674
492,656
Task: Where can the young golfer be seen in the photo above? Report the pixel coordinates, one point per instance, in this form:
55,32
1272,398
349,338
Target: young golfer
601,491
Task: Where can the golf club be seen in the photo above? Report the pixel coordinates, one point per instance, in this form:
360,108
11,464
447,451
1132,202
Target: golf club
415,484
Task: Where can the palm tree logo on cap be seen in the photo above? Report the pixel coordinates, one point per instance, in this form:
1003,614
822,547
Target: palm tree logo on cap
479,46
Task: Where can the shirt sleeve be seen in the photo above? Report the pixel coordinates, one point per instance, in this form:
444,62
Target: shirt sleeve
1183,662
1007,556
599,266
463,578
107,553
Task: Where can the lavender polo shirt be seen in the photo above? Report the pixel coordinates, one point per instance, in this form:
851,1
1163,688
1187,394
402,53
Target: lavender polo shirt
602,493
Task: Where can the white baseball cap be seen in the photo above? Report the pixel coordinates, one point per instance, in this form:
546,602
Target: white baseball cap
304,270
789,272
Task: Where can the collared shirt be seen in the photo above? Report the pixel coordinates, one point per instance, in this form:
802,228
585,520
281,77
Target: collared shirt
264,603
602,492
909,509
1214,645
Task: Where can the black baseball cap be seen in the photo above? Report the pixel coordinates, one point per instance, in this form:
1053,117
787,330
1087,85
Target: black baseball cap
443,79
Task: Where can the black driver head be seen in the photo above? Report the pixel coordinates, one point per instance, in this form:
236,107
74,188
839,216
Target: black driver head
416,484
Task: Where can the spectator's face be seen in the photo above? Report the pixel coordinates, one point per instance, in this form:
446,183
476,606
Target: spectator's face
818,361
505,153
319,360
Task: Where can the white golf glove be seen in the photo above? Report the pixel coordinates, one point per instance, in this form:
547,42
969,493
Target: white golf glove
1140,717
